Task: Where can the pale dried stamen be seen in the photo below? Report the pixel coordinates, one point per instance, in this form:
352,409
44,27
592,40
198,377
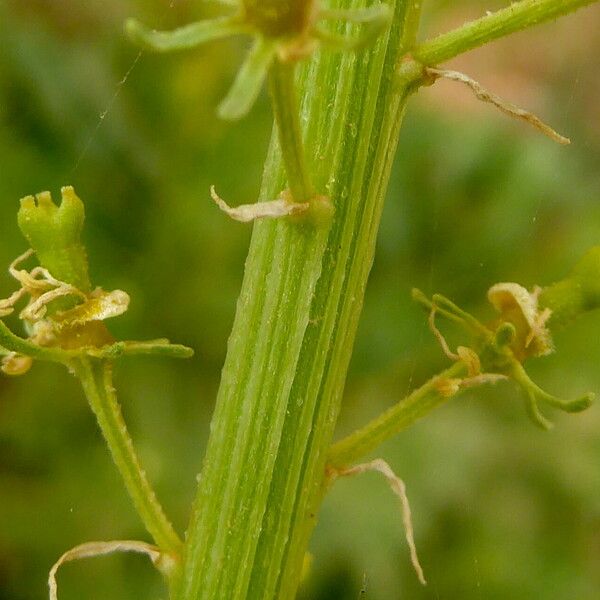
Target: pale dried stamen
506,107
33,281
36,310
440,337
40,285
14,364
7,305
273,209
92,549
399,488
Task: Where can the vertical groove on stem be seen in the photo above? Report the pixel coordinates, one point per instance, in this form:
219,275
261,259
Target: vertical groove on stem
292,338
338,301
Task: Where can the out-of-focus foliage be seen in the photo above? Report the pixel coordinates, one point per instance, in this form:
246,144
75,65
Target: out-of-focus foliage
501,509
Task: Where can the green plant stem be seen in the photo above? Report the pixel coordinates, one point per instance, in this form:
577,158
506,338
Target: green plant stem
412,21
96,379
10,342
264,469
292,338
397,418
575,295
287,111
513,18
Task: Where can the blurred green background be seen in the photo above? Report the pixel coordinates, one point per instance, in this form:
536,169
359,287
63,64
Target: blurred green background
501,510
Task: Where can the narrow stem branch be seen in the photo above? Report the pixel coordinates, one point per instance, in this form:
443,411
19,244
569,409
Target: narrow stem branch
411,24
96,379
9,342
287,116
513,18
397,418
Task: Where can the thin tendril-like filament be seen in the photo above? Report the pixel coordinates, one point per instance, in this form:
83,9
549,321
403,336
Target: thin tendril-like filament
506,107
399,488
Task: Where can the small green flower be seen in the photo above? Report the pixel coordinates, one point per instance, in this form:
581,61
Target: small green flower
63,316
54,233
499,350
282,30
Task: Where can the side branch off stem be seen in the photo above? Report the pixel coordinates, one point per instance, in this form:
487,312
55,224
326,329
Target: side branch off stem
394,420
286,110
96,379
516,17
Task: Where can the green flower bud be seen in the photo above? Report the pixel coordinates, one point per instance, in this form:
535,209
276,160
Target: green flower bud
54,233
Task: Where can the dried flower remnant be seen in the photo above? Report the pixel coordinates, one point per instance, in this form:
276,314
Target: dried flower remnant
399,488
161,561
272,209
498,350
520,307
504,106
63,316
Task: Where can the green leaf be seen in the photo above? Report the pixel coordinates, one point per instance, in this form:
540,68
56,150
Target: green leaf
248,82
576,294
185,37
54,233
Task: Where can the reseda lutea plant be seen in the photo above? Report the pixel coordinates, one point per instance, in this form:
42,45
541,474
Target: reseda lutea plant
340,74
64,319
302,294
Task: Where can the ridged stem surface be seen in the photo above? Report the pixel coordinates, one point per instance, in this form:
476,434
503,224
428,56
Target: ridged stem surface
297,314
292,339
